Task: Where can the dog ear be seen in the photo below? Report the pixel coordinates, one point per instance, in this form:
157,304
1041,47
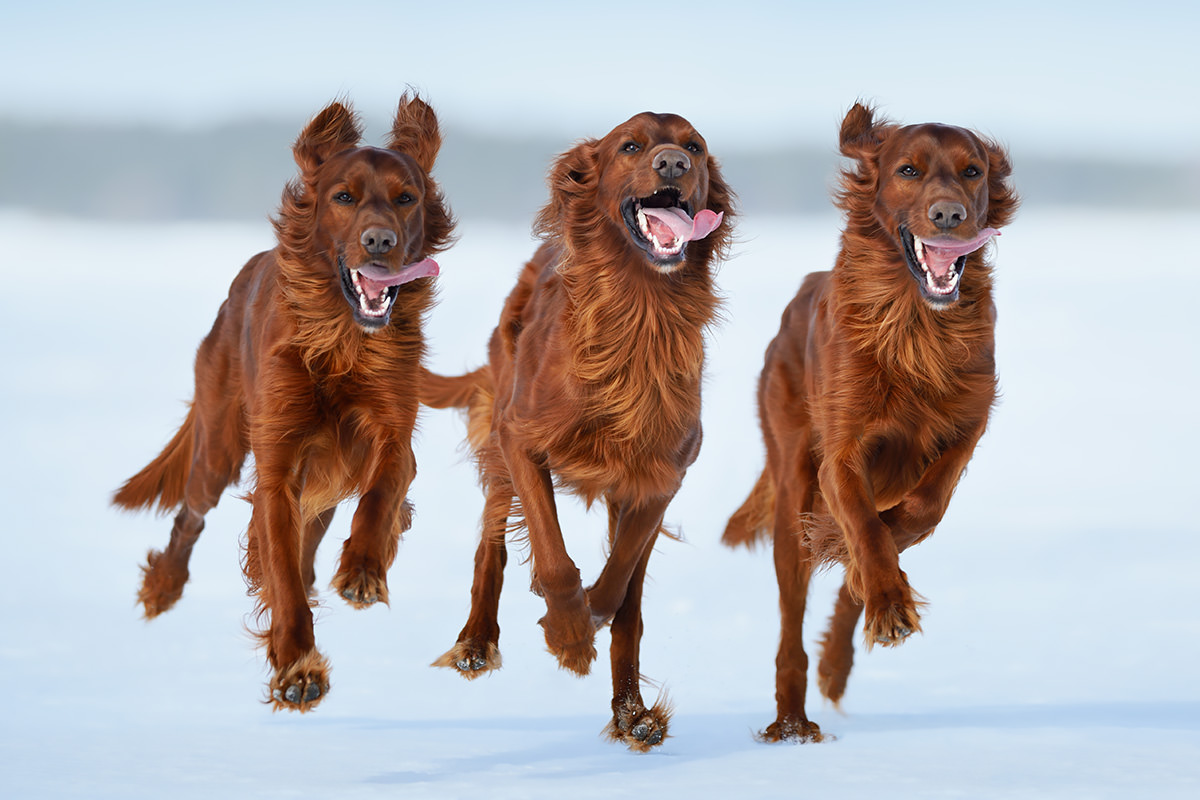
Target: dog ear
330,132
721,199
1002,198
572,176
861,132
860,139
415,131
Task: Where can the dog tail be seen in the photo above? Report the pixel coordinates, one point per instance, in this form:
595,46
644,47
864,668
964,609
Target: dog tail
439,391
162,481
472,392
754,520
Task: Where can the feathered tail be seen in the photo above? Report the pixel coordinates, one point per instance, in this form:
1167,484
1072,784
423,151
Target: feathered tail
754,520
439,391
163,480
473,392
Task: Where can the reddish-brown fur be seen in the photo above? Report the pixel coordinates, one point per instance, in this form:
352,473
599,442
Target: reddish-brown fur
872,400
324,401
593,385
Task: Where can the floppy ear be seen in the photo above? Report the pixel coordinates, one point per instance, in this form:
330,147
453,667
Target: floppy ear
415,132
333,130
1002,198
861,133
860,139
572,176
721,199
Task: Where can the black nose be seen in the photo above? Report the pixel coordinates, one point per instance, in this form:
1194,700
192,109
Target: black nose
947,215
672,163
378,241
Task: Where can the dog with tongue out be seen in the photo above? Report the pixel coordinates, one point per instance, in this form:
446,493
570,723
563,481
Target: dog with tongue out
312,367
667,230
875,391
592,385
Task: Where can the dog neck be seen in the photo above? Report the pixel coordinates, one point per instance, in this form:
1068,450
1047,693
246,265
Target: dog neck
878,305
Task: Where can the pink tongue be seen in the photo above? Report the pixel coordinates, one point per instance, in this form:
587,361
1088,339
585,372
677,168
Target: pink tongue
942,251
376,278
684,227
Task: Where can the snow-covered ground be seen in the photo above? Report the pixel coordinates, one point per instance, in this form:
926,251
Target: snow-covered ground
1062,642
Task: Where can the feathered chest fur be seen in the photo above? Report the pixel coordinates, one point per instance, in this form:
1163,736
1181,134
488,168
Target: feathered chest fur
635,367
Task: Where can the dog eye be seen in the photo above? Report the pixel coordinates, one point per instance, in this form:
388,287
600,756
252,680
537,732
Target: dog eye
343,198
909,171
631,147
972,172
405,199
693,147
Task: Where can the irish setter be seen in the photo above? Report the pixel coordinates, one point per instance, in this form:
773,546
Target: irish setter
312,365
593,384
876,389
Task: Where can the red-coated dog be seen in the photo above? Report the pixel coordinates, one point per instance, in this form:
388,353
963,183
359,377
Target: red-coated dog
313,365
593,384
876,389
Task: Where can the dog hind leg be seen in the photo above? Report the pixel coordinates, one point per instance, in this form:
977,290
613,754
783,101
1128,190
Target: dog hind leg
477,650
637,727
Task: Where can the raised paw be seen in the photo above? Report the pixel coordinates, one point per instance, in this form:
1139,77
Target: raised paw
162,584
797,730
360,585
300,685
891,625
571,639
471,658
637,728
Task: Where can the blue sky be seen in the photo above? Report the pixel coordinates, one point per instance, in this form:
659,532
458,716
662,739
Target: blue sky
1107,78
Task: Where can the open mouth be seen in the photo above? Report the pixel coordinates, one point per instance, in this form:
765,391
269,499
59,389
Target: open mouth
662,224
372,289
937,264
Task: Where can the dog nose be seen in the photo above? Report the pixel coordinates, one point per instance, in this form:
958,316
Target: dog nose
947,215
378,241
672,163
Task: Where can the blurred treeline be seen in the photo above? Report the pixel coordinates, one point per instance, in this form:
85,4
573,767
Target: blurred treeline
236,172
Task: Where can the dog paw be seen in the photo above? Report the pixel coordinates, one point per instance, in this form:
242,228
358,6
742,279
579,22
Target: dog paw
637,728
793,729
891,625
300,685
471,658
571,638
162,584
361,586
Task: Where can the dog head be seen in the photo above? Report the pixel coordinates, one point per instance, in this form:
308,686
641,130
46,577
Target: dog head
651,185
939,192
364,221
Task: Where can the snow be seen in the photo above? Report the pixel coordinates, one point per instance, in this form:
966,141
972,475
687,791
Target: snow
1060,650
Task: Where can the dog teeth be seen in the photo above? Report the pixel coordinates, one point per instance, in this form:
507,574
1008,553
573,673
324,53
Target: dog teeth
660,249
919,250
364,305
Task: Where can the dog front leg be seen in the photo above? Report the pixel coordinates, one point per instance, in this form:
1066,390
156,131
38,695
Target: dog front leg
915,517
634,528
301,677
570,633
382,515
873,570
